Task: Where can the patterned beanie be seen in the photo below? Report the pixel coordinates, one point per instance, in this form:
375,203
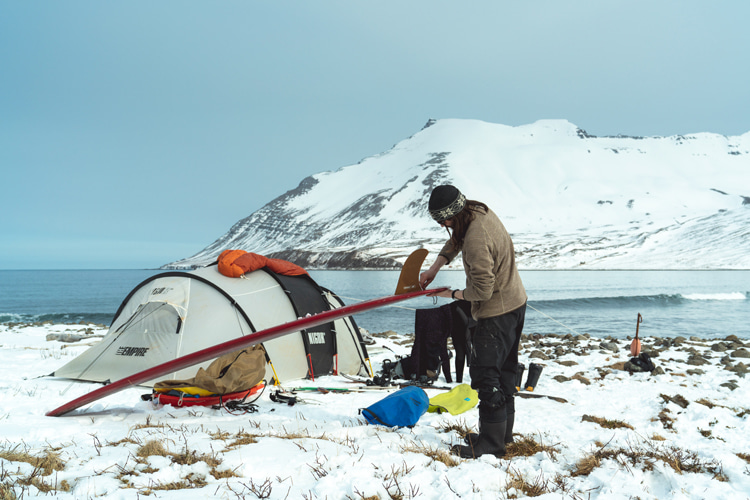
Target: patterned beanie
446,202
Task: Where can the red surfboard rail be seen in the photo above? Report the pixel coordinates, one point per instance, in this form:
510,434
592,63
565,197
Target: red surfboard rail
233,345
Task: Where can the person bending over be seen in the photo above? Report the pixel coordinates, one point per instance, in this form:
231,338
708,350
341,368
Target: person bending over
498,304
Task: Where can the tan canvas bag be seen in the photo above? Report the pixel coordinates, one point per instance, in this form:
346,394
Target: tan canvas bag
233,372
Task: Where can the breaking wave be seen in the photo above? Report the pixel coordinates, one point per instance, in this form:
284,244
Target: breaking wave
658,300
717,296
58,318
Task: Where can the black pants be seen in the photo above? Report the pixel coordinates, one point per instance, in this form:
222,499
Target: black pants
493,361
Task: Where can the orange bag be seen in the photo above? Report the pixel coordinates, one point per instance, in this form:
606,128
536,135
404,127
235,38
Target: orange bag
235,263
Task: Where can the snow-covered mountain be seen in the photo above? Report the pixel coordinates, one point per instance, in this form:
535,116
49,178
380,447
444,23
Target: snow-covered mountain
569,199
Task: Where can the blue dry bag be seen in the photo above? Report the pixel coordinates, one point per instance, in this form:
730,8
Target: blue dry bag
400,409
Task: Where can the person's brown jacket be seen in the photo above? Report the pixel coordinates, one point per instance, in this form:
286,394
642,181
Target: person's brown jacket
493,284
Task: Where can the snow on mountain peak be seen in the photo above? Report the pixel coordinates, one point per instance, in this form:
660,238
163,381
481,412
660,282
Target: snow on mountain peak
570,200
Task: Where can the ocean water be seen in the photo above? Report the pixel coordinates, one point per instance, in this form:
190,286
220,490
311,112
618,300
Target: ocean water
707,304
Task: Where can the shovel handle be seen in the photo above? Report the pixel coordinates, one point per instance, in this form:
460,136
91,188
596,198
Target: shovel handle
640,320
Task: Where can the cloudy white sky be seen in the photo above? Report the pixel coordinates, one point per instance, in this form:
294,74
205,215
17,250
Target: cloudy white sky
135,133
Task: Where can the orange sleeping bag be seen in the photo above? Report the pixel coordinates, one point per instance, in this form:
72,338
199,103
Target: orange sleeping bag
235,263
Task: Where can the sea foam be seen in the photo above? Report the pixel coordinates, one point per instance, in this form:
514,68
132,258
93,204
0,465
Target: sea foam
716,296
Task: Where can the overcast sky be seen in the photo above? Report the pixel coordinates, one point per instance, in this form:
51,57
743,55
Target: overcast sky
136,133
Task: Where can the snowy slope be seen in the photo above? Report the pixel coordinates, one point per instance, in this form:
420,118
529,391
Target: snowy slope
569,199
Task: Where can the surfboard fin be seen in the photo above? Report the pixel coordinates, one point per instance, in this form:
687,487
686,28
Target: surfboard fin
408,280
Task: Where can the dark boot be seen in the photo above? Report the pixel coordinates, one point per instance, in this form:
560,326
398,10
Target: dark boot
519,375
509,428
535,371
489,442
471,438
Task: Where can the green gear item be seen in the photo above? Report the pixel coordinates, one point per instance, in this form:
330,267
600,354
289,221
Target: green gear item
456,401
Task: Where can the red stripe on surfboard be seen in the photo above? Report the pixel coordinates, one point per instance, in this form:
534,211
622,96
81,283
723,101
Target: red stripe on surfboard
233,345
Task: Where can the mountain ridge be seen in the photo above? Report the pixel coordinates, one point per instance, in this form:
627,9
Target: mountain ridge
571,200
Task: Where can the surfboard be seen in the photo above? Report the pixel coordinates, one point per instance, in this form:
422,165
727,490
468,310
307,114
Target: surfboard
256,338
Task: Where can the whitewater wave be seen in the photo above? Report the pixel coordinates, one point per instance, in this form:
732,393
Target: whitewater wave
58,318
642,300
570,305
717,296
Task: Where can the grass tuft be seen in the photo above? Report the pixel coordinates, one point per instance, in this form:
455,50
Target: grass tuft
43,466
534,488
666,421
706,402
189,482
460,427
240,439
435,454
645,456
606,423
526,446
47,463
223,474
127,440
151,448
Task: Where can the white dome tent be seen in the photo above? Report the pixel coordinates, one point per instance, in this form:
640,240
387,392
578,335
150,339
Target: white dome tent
176,313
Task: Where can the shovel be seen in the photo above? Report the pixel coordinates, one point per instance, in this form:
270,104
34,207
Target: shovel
635,345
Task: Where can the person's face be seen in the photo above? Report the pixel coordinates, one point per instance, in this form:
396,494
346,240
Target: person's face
446,223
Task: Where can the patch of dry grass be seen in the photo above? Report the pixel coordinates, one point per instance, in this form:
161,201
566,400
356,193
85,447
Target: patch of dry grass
645,456
48,462
148,425
606,423
151,448
127,440
184,457
666,421
706,402
190,457
220,435
189,482
223,474
526,446
460,427
241,439
435,454
44,465
535,487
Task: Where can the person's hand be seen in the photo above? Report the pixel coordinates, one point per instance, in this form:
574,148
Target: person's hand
427,277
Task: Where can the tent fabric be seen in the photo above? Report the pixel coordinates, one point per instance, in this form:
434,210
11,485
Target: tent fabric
176,313
235,263
306,298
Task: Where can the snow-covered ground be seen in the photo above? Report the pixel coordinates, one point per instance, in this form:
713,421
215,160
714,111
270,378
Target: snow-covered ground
677,434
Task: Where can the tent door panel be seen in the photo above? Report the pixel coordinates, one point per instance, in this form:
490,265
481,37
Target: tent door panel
351,351
320,341
148,337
